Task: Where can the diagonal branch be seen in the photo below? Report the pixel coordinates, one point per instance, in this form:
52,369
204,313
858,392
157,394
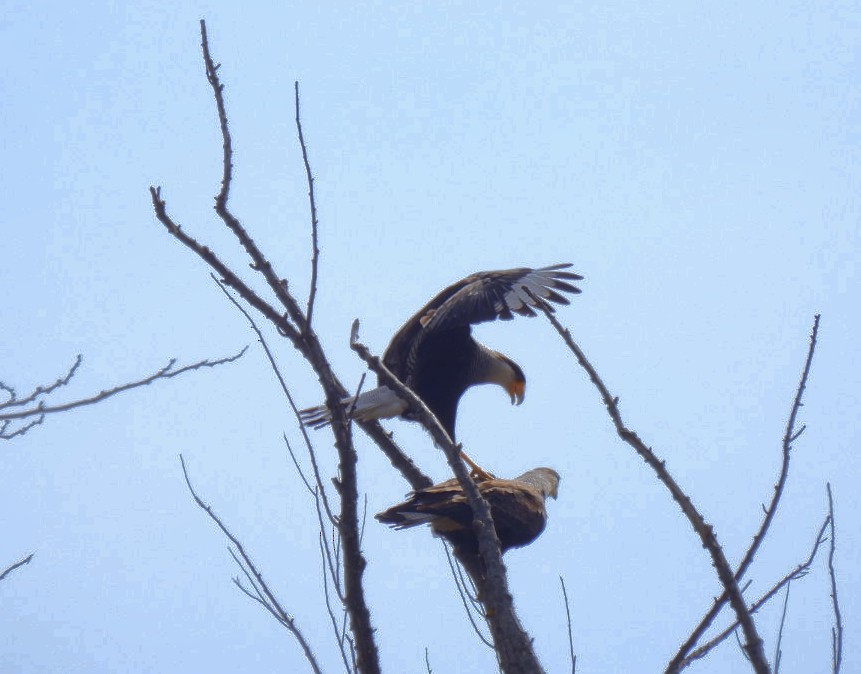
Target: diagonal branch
255,577
789,436
315,250
753,642
16,565
513,645
570,637
797,573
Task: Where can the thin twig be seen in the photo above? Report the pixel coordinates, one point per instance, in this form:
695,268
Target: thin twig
16,565
167,372
397,457
335,629
271,600
795,574
568,619
461,590
259,261
837,630
789,436
284,388
753,642
307,343
778,654
315,250
15,401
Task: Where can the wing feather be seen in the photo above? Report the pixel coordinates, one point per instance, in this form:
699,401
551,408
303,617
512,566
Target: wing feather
481,297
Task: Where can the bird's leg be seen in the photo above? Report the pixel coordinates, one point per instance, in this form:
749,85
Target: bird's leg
478,474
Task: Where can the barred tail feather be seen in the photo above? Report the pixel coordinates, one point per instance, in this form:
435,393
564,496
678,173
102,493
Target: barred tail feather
378,403
401,517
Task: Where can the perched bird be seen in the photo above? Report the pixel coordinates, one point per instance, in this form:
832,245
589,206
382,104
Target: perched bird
434,352
517,507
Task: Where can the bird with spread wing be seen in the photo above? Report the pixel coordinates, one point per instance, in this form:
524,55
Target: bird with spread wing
435,354
517,507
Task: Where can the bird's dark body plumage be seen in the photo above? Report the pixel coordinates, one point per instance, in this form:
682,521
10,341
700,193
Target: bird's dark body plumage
435,354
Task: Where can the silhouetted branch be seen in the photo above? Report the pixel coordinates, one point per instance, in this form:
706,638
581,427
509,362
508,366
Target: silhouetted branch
797,573
41,409
259,261
837,630
753,642
293,325
778,654
568,620
13,399
285,389
16,565
264,595
789,436
513,645
468,600
398,458
315,250
336,630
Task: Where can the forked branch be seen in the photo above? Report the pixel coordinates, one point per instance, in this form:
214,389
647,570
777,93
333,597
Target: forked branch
262,593
789,436
293,324
36,409
753,645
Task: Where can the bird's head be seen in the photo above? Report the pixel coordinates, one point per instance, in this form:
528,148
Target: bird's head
509,376
546,480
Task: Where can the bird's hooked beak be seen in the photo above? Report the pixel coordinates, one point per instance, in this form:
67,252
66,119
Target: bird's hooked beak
517,390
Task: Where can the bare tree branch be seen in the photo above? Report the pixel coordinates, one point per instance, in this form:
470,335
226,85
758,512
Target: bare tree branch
305,341
796,573
753,642
16,565
789,436
513,645
398,458
338,632
15,401
466,598
266,596
837,630
260,263
778,654
315,250
568,619
167,372
285,389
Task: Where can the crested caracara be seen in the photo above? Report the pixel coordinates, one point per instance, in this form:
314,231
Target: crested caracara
434,352
517,508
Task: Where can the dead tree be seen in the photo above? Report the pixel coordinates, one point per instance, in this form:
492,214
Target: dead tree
338,513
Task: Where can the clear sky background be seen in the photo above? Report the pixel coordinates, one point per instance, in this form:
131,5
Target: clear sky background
698,163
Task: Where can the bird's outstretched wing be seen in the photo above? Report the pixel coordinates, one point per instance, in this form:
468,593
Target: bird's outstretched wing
484,296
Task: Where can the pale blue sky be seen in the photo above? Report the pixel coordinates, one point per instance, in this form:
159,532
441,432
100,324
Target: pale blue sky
698,164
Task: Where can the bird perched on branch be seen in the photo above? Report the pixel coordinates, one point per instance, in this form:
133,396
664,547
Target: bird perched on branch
434,352
517,508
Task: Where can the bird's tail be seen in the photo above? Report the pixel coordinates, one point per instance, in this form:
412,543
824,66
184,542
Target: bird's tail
378,403
403,516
